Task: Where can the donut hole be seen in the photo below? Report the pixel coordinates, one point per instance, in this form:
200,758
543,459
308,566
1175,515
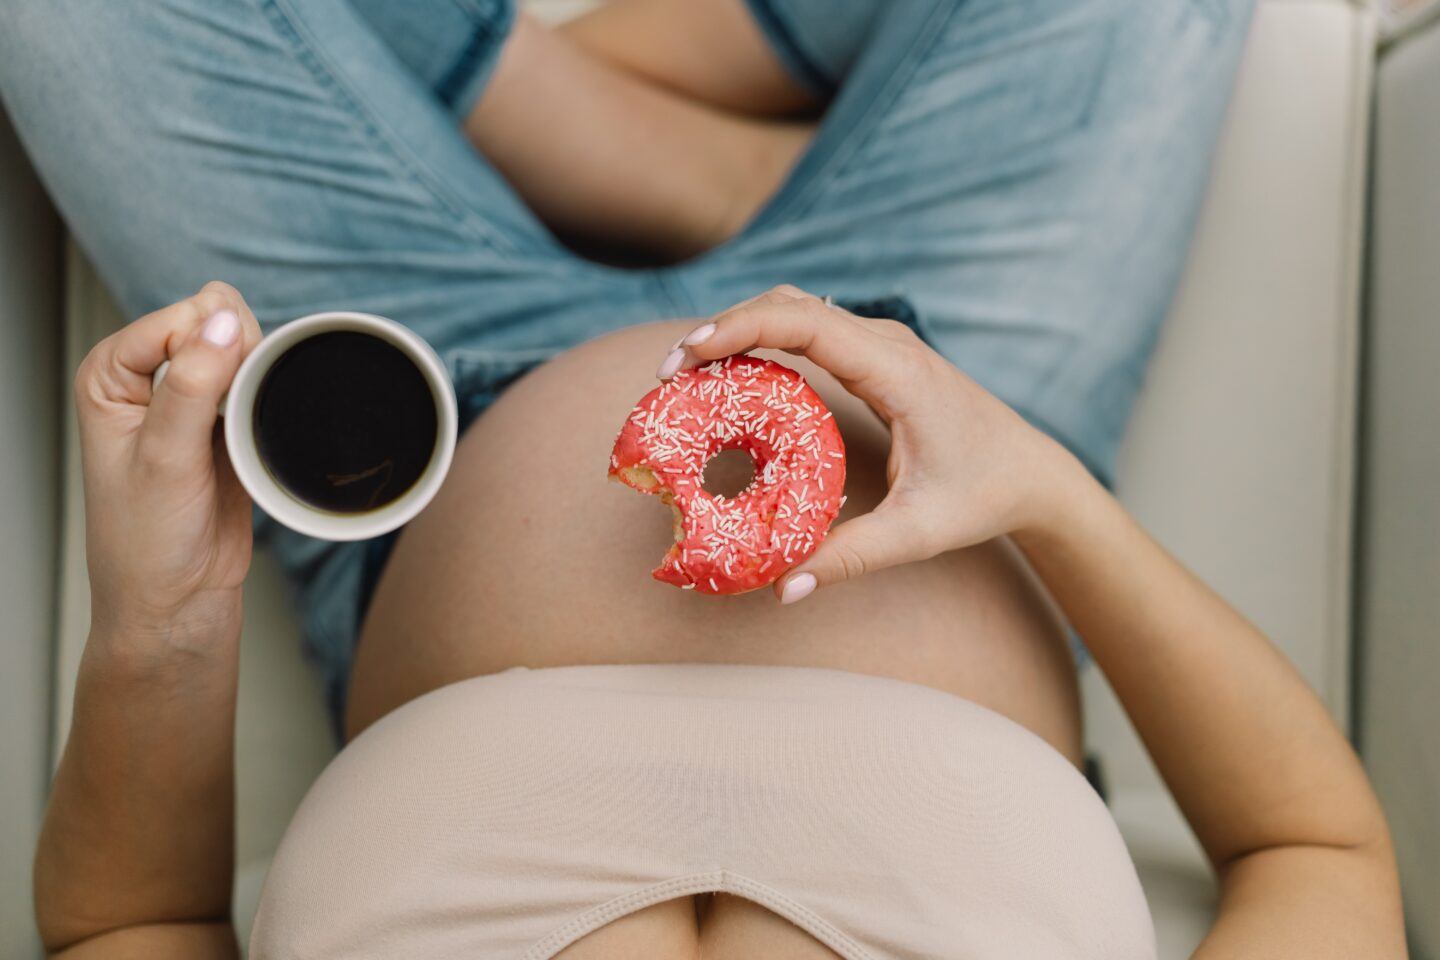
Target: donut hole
728,474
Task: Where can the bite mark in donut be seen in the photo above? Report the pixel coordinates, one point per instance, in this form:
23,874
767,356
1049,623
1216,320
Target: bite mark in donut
727,545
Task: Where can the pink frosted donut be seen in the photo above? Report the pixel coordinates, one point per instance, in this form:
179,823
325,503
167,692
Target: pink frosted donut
729,545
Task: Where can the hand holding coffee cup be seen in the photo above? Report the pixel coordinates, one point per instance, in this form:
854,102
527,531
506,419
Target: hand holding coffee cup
340,425
167,523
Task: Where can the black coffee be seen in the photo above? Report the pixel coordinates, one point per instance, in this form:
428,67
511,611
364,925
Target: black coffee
345,422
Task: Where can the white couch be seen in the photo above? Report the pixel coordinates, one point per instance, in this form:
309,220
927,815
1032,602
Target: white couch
30,501
1397,710
1242,458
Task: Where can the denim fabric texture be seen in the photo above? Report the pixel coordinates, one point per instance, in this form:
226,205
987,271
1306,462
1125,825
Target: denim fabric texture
1022,176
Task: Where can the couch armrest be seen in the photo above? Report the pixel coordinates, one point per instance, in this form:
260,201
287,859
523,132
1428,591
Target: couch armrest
30,394
1241,452
1399,660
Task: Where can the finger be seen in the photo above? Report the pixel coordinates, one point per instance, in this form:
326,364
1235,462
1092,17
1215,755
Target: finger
679,358
181,418
873,541
149,341
777,294
119,368
234,496
829,337
216,296
785,293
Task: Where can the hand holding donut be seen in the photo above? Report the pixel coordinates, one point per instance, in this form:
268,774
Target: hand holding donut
963,468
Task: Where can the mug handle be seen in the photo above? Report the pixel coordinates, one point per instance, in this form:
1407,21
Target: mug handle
164,368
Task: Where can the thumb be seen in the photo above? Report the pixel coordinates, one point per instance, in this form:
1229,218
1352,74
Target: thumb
184,405
882,538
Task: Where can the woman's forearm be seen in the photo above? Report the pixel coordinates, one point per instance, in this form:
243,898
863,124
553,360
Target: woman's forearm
1268,783
138,835
1248,750
135,857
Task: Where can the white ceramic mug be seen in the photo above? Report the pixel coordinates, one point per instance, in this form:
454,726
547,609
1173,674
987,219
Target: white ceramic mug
238,409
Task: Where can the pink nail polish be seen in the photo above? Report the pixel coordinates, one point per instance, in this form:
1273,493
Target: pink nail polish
671,364
221,329
699,335
798,587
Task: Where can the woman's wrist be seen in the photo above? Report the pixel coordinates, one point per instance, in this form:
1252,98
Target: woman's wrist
207,626
1064,491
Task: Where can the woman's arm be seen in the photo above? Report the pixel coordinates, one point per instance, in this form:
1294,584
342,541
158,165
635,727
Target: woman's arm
136,850
136,854
1270,786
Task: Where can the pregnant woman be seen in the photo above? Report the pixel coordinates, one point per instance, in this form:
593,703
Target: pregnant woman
1015,180
558,757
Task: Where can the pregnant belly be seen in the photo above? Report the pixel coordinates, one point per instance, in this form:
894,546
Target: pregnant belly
530,557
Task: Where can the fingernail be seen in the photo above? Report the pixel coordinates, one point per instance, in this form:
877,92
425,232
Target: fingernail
671,364
797,588
222,328
699,335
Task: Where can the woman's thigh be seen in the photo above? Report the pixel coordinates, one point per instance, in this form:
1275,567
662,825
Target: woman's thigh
281,144
308,152
530,556
1023,174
